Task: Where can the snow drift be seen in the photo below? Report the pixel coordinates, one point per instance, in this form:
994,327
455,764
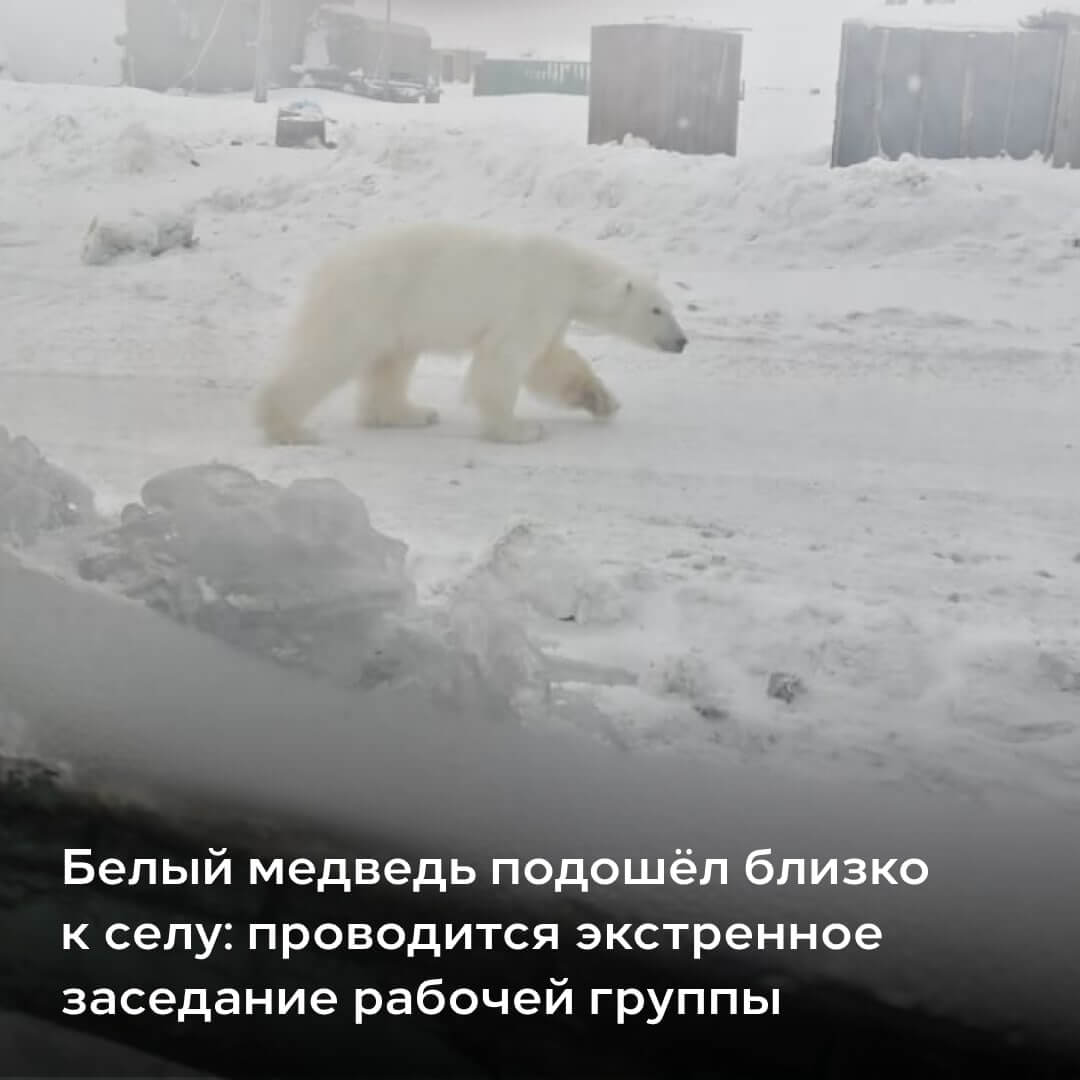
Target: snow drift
129,699
35,495
139,235
297,575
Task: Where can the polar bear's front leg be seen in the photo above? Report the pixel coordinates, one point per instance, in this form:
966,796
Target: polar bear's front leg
563,375
384,395
493,385
285,401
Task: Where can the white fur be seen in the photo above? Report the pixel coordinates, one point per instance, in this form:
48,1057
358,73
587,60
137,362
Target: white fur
562,375
373,308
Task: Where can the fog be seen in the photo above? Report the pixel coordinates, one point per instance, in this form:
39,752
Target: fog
792,43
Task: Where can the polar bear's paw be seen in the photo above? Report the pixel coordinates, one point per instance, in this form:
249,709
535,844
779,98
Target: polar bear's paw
514,431
598,400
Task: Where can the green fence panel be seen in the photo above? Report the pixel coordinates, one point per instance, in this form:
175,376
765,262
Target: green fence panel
531,77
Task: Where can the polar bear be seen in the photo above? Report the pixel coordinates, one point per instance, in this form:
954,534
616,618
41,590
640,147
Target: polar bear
374,306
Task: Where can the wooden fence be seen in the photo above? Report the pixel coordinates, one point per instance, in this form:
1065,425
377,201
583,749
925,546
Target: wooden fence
675,87
941,93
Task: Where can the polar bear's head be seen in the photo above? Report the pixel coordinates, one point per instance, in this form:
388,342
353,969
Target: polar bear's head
640,312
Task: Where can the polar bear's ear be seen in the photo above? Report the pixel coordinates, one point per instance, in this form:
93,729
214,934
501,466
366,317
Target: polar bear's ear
629,286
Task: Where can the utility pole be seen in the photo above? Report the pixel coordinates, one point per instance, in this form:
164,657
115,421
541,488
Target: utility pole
262,52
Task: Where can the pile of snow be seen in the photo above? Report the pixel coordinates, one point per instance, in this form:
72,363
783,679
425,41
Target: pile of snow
36,496
689,656
536,572
108,133
141,235
299,575
295,574
304,109
139,150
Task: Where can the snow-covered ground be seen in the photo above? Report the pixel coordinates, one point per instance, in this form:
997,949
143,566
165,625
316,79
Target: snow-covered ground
863,473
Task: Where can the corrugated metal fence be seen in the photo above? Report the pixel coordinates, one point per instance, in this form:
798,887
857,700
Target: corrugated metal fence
1067,136
940,93
675,87
531,77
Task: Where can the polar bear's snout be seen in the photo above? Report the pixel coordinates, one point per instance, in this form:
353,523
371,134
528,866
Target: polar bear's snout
671,338
674,344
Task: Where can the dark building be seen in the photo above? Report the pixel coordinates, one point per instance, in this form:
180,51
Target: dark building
209,45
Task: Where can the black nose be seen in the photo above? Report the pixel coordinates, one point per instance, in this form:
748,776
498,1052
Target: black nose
680,344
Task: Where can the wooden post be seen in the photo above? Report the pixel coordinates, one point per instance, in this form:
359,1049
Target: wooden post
262,53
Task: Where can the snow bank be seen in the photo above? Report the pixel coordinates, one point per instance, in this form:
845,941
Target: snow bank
532,569
109,133
296,574
140,150
739,211
745,211
299,575
452,163
35,495
139,235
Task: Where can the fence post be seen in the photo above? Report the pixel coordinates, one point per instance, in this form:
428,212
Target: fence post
967,101
262,53
1059,84
879,89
